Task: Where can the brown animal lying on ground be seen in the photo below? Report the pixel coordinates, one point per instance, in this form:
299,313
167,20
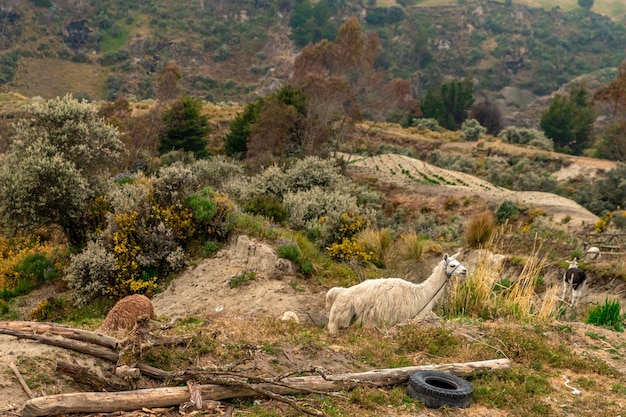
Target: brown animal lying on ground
124,314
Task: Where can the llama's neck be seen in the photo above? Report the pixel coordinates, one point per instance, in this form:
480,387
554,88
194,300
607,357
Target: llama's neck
430,290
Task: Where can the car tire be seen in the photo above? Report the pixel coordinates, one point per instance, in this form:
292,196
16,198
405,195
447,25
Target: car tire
436,389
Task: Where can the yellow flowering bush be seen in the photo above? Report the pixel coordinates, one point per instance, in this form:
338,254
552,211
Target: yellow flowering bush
350,250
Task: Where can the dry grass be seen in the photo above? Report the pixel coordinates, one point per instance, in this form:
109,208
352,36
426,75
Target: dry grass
49,78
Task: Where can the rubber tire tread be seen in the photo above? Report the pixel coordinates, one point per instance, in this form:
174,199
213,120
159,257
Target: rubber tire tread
433,396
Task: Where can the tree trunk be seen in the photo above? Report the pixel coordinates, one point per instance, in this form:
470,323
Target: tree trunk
103,353
102,402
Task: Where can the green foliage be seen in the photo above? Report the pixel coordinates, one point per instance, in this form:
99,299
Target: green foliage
90,272
472,130
185,127
607,315
569,121
37,268
58,161
210,247
506,210
111,58
524,136
8,66
242,278
450,103
202,206
312,23
586,4
288,249
269,206
424,123
49,309
236,140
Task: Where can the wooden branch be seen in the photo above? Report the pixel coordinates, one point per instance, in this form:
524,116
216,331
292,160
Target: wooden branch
61,330
84,376
85,402
21,379
103,353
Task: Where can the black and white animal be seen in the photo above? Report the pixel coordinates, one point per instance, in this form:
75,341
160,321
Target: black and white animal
574,280
389,301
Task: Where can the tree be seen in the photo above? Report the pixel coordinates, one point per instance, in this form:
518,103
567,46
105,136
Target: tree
57,163
185,127
270,127
586,4
342,85
449,103
569,121
488,115
614,92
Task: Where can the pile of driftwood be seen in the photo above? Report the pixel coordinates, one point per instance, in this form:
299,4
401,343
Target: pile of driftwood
198,389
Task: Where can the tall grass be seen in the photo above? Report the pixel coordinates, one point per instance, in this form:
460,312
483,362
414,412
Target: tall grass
607,315
484,294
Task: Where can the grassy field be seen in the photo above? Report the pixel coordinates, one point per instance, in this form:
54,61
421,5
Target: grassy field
49,78
615,9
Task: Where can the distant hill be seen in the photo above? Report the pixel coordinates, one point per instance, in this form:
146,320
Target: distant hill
238,50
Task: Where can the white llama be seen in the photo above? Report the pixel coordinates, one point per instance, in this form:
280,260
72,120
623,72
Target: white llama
574,280
388,301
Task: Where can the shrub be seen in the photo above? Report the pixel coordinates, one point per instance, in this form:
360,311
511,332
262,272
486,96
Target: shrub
472,130
202,206
37,268
242,278
523,136
48,310
607,315
58,161
210,246
479,229
268,206
428,123
215,171
506,210
288,249
90,272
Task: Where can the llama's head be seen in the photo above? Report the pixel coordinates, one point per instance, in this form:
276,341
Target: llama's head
453,266
572,264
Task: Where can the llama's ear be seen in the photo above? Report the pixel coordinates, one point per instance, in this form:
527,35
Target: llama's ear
456,254
575,259
445,256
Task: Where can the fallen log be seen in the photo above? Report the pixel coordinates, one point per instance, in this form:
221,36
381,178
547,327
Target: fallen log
84,376
102,352
62,330
91,402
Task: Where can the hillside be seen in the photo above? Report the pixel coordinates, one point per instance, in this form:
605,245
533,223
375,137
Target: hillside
236,51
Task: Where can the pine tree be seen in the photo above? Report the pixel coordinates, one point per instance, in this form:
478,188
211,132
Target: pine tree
185,127
569,121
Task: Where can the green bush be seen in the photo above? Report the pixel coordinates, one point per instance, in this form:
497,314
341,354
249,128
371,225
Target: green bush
37,268
210,246
505,211
288,249
607,315
426,123
204,208
472,130
242,278
268,206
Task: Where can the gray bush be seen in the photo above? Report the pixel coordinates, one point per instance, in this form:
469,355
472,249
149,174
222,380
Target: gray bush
90,272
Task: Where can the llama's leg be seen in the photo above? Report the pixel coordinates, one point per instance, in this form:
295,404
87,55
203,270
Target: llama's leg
564,290
341,314
577,293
